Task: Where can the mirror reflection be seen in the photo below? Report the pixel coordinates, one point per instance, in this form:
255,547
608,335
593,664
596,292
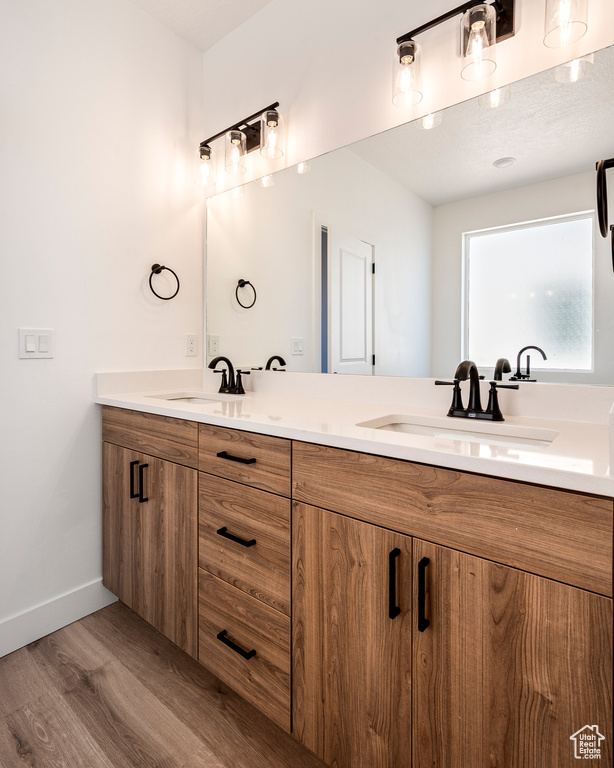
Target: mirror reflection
470,236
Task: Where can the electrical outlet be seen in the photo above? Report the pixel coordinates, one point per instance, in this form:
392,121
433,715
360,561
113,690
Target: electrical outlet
213,345
191,340
297,346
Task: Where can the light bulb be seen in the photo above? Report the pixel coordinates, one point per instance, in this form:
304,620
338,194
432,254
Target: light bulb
407,84
566,22
206,167
478,36
235,152
271,135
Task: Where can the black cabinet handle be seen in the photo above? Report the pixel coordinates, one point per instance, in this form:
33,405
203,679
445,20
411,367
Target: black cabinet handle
230,457
133,493
243,542
142,497
423,622
393,608
237,648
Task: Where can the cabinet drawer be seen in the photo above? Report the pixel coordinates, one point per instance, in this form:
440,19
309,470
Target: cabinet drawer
257,460
255,630
167,438
558,534
259,563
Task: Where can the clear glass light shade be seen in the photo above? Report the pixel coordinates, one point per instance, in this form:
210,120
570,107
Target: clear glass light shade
303,168
206,170
271,135
236,149
478,42
496,98
407,78
574,70
566,22
430,121
267,181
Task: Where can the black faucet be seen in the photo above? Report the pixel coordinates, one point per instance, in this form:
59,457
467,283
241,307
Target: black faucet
272,359
228,386
502,366
519,376
468,369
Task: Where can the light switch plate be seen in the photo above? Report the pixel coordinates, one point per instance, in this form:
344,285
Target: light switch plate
297,346
36,343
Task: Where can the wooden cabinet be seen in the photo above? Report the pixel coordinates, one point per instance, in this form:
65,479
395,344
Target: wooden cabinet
510,666
506,665
351,627
150,540
244,559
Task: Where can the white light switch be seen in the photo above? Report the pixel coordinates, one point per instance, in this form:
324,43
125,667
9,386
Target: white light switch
297,346
35,343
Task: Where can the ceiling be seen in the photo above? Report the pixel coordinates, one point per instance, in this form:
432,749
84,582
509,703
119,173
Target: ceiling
201,22
552,129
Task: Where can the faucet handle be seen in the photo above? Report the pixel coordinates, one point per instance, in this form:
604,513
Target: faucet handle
492,409
239,390
224,383
457,408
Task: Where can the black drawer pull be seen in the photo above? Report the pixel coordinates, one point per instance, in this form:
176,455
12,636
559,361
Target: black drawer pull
230,457
142,497
237,648
423,622
133,493
243,542
393,608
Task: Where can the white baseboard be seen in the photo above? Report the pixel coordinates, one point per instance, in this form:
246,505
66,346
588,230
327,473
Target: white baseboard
43,619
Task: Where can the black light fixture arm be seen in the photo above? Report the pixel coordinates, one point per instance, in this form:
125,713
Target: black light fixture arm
243,124
505,19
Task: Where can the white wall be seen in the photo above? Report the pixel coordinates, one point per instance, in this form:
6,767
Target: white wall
571,194
329,64
271,237
101,111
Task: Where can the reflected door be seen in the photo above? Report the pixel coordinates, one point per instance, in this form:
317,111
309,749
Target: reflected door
350,303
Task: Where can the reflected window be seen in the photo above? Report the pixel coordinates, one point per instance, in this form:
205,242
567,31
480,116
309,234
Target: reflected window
531,283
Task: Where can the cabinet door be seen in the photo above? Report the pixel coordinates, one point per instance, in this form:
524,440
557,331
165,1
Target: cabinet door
150,542
351,643
510,666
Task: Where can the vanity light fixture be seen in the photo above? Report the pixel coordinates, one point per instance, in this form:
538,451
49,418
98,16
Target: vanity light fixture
482,26
496,98
260,130
574,70
566,22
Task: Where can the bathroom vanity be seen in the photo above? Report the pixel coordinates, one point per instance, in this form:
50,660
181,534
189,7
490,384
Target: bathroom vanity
386,608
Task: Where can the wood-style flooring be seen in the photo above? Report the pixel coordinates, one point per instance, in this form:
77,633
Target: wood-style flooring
110,691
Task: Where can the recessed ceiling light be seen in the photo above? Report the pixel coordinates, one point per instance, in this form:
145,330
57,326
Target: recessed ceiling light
504,162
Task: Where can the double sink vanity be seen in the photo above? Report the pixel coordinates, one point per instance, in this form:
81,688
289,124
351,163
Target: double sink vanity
390,586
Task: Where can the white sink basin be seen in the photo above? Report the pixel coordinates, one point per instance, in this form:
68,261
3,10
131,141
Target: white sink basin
196,398
482,432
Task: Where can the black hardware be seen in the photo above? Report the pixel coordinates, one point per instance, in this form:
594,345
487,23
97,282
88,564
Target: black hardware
519,376
243,542
457,399
505,20
252,132
373,268
237,648
423,622
226,386
272,359
493,400
133,493
142,497
155,270
230,457
239,385
501,366
241,284
602,195
224,382
393,608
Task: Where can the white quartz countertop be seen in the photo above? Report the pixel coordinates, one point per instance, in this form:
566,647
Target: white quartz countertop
576,459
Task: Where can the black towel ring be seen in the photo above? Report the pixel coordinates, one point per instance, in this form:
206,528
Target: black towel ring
241,284
155,270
